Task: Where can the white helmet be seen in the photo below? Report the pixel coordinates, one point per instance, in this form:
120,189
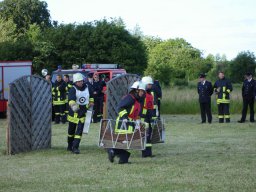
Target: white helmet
142,86
147,80
135,85
44,72
77,77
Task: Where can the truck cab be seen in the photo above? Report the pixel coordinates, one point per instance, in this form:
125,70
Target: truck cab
10,71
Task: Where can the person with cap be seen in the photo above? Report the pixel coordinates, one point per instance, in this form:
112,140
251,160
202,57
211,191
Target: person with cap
79,100
148,114
222,88
128,112
205,90
249,95
59,97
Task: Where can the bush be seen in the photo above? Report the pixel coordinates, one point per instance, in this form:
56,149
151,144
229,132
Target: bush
180,82
184,100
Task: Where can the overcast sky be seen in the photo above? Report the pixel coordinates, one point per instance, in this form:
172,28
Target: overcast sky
213,26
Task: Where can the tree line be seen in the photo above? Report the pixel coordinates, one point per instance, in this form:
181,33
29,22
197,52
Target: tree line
28,33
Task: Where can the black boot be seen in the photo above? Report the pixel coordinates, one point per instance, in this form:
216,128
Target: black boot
75,151
75,148
70,143
221,120
63,119
124,157
57,119
147,152
111,155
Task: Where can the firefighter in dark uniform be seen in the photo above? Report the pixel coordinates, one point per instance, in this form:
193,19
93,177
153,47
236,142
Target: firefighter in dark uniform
222,89
89,81
59,97
248,94
129,109
90,84
157,97
97,94
148,114
79,100
205,90
69,85
48,78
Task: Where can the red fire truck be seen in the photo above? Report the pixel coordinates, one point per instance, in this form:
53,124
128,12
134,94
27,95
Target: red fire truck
105,71
9,71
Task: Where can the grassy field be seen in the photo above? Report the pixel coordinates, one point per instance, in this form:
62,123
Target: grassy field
195,157
178,100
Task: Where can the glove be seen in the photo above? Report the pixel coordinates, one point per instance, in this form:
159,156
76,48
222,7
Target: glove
138,121
146,125
125,120
137,124
75,107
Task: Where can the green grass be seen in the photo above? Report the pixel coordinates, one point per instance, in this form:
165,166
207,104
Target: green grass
195,157
177,100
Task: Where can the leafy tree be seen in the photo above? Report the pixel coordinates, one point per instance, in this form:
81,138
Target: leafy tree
21,49
98,42
175,58
24,13
220,63
7,31
43,50
150,42
244,62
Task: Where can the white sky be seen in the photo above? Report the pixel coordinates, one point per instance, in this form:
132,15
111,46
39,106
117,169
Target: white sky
213,26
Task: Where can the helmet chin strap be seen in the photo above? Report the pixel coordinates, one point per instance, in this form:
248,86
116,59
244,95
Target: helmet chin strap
136,95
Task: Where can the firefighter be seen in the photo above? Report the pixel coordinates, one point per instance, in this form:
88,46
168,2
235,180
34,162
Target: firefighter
97,95
157,91
205,90
89,81
90,85
48,78
147,114
59,97
248,94
222,89
69,85
79,100
129,109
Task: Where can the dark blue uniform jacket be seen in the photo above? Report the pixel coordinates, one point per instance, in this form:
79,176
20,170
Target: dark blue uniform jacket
205,91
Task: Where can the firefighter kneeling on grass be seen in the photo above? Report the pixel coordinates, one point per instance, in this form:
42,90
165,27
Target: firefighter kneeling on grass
129,109
79,99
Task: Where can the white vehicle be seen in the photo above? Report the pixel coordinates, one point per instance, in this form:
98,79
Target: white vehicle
10,71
